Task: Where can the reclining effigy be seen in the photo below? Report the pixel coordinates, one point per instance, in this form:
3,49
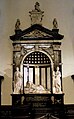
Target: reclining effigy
33,88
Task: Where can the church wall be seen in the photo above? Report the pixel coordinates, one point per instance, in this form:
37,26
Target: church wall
63,10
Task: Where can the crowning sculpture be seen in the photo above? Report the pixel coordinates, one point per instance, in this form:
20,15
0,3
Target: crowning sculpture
36,15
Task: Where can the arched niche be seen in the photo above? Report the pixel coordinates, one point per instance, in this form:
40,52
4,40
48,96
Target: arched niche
37,67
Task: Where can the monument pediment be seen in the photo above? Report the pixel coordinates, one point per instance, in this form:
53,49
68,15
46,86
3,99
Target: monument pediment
38,32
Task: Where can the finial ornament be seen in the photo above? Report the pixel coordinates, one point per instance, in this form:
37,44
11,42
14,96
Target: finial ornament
55,24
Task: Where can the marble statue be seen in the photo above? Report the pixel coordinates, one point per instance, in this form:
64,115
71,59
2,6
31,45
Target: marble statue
33,88
57,81
18,81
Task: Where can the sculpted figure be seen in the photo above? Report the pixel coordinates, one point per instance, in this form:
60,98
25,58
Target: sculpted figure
55,24
18,81
37,6
33,88
17,25
57,81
